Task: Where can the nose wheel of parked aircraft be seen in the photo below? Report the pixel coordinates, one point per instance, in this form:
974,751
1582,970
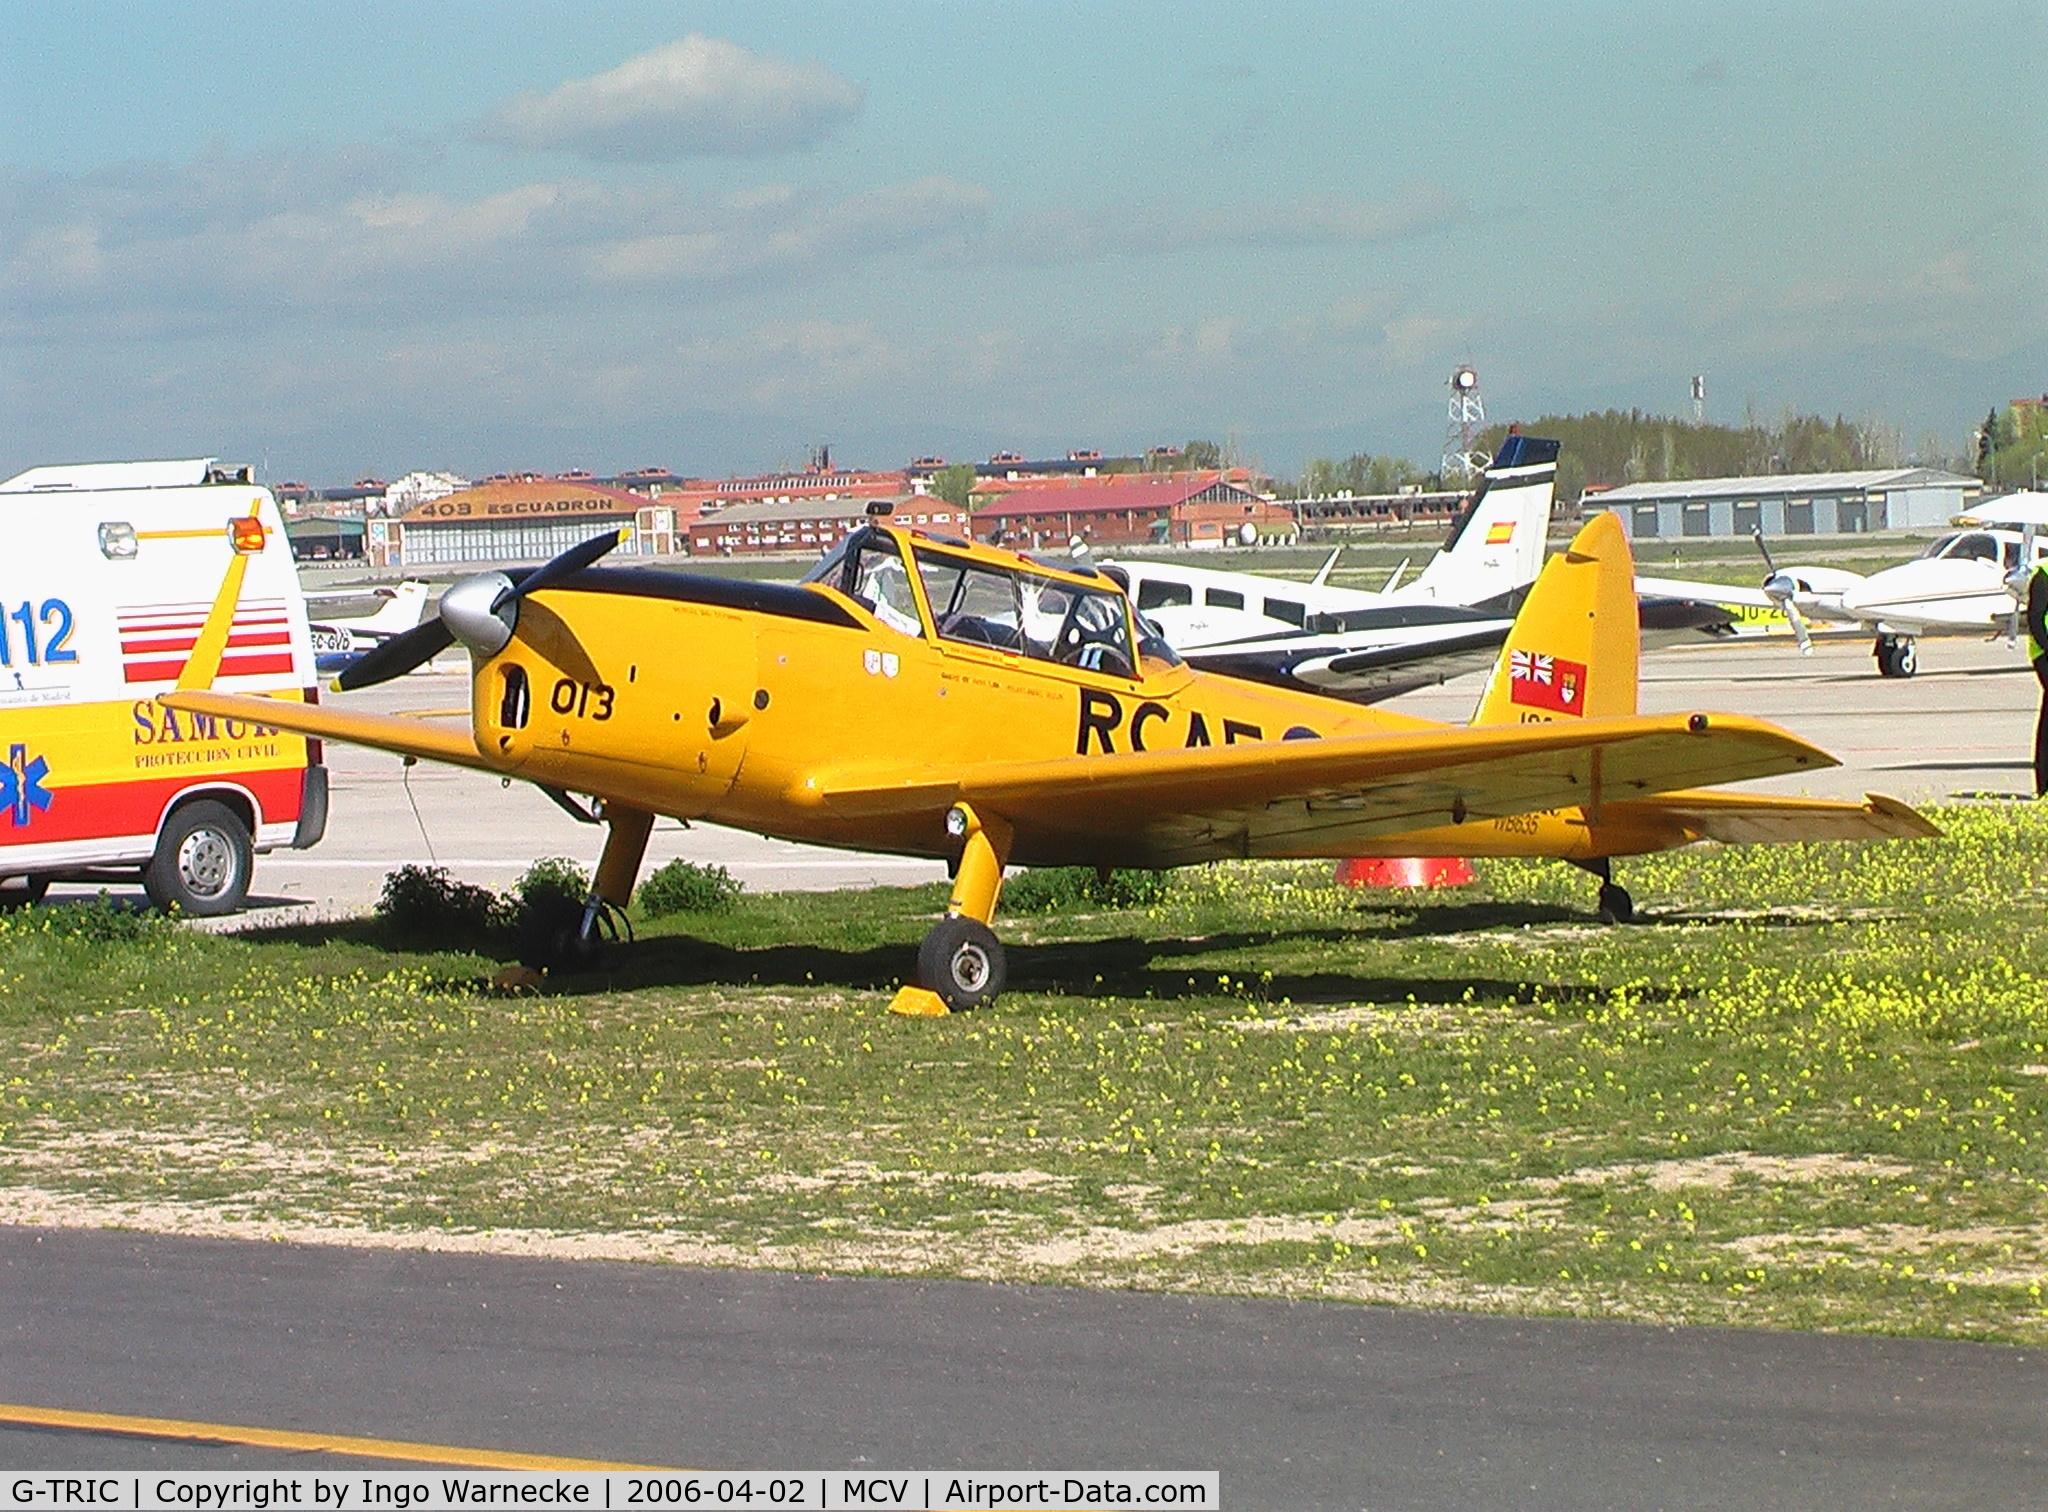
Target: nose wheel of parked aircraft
1896,656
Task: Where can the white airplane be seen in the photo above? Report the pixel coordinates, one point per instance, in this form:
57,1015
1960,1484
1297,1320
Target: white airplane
1967,580
339,643
1364,646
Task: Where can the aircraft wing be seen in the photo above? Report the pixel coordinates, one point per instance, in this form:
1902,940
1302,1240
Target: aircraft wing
1763,819
384,732
1311,797
1704,593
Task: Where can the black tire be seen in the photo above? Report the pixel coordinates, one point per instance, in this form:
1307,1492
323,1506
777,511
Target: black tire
1616,906
202,863
32,890
1906,659
551,937
963,962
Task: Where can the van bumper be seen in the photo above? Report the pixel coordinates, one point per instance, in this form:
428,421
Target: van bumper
312,808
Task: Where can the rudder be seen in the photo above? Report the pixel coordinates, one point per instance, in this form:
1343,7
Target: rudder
1573,651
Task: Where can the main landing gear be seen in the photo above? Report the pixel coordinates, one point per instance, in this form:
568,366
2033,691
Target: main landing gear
1615,905
1896,656
961,963
571,937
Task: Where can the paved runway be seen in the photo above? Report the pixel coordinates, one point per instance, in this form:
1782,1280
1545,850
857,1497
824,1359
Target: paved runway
1298,1405
1965,724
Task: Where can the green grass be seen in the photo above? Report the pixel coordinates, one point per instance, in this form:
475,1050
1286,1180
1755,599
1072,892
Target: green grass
1809,1093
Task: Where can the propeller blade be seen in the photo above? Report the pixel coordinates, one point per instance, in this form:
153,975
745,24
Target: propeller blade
397,656
569,563
1799,630
1756,534
429,639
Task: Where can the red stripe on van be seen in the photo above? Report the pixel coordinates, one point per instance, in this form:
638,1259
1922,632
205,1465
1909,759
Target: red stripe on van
105,810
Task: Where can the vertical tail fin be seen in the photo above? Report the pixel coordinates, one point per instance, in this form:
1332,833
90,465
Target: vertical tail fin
1498,545
1573,650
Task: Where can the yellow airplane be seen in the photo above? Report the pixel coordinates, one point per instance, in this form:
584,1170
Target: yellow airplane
926,696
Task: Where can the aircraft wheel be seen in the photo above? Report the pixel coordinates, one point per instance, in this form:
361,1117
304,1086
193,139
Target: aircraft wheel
551,937
202,862
1616,906
963,962
1897,656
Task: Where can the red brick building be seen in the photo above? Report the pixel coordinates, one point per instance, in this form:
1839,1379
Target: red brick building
1122,509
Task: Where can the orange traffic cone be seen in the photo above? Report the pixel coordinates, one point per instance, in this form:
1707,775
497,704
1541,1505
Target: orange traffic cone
1405,871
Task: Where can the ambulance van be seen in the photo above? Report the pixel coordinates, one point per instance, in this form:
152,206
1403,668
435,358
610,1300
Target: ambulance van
107,579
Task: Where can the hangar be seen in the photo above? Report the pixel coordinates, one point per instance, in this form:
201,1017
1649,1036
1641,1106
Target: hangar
527,519
1789,504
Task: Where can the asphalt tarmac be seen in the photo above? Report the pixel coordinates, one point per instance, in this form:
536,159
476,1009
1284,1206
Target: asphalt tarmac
1298,1405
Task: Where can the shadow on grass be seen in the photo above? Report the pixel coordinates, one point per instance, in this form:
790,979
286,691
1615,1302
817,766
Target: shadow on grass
1124,965
1121,966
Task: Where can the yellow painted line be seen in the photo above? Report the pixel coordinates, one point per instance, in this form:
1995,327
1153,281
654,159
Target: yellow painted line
278,1438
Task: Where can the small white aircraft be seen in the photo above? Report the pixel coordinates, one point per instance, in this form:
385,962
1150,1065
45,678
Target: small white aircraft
1967,580
339,643
1358,645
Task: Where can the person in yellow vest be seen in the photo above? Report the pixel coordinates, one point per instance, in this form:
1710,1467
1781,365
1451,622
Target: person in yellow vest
2037,649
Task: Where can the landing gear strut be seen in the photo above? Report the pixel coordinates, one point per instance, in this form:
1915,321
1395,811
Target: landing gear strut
961,964
571,937
1896,656
1615,905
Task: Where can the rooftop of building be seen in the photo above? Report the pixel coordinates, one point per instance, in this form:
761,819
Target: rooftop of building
1782,485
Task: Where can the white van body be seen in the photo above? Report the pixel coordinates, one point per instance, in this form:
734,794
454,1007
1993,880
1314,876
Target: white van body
113,569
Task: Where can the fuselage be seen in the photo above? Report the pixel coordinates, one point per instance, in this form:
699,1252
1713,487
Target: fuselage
731,702
1958,583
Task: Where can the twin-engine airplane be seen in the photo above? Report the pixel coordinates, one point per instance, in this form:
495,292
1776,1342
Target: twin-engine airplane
930,697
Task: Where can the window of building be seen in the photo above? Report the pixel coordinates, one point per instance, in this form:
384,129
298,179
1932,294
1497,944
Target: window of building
1850,518
1749,517
1799,517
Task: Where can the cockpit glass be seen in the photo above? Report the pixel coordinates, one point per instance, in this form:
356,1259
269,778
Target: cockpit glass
1011,611
1938,546
1980,547
830,566
882,582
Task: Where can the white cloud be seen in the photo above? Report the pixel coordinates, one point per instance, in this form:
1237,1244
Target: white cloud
165,251
700,97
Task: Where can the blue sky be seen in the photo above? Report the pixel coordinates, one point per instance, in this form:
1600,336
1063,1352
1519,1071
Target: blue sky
348,238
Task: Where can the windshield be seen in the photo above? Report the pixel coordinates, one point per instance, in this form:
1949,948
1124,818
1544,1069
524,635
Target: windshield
1981,547
1012,611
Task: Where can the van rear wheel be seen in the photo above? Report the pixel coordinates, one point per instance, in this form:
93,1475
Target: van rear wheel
202,863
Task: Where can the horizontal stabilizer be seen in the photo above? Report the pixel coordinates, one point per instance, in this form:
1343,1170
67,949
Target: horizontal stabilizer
1761,819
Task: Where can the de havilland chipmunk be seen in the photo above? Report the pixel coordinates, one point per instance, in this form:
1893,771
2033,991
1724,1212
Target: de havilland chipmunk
926,696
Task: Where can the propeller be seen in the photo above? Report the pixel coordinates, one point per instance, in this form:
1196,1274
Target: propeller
1779,588
474,612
